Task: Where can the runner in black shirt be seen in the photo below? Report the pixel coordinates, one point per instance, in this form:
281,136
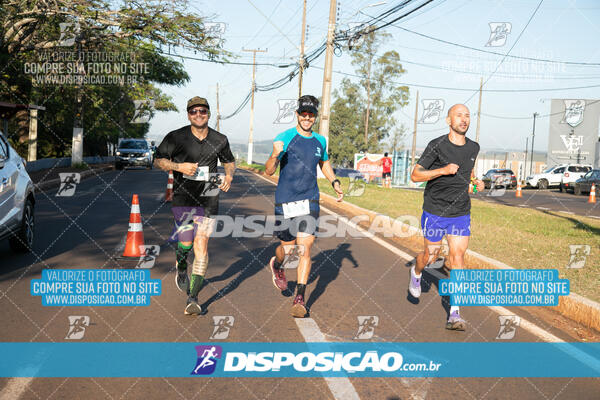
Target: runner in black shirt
447,167
191,152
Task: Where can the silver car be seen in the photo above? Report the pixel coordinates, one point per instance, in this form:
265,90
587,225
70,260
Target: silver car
16,199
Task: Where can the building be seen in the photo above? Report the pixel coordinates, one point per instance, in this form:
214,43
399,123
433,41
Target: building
574,132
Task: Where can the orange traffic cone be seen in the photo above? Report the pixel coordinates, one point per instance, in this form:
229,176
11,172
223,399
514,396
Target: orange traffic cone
169,192
135,234
519,194
592,198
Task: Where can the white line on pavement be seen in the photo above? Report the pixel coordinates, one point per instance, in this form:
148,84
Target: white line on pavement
341,388
15,388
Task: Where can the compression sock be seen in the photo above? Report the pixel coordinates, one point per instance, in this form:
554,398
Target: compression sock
198,271
181,254
196,284
454,309
300,289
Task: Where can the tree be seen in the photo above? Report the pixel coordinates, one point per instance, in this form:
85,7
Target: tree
31,28
362,114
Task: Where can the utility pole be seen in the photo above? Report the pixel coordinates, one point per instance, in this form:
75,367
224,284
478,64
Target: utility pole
218,111
414,143
77,143
250,136
302,50
368,103
525,164
532,142
478,120
326,97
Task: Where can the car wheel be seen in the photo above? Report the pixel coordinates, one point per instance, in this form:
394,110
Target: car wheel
543,184
577,190
22,241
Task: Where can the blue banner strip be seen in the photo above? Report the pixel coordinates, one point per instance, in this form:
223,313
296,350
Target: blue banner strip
223,359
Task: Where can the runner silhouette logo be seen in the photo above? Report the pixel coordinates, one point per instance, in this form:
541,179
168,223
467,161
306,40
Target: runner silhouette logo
207,359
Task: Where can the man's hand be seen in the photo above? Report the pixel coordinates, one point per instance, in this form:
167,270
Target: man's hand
480,185
338,189
226,183
277,148
450,169
187,168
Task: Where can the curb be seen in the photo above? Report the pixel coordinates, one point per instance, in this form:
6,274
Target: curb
574,306
45,185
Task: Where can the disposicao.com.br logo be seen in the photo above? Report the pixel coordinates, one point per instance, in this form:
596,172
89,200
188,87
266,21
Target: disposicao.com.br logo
306,363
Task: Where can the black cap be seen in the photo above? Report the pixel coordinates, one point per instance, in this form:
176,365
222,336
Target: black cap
308,103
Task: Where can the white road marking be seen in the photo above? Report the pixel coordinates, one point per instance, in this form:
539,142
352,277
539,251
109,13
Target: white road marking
542,208
15,388
341,388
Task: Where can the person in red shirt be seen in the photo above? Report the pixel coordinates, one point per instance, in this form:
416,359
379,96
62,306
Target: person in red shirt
386,163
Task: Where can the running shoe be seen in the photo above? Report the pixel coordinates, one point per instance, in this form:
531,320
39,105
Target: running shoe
414,287
192,307
182,280
455,322
298,308
278,276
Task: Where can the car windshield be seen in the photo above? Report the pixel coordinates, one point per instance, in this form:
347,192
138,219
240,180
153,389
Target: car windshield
133,144
548,170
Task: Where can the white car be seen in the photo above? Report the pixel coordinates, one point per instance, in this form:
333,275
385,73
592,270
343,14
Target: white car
16,199
552,176
571,174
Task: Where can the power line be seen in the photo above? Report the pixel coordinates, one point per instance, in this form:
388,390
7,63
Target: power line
508,52
496,53
469,89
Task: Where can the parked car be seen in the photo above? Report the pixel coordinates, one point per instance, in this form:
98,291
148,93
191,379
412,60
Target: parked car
17,200
499,177
584,184
571,174
133,152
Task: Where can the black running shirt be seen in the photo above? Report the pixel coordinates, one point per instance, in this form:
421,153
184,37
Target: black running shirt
447,195
182,146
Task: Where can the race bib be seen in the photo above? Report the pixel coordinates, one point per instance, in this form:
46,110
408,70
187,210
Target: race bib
200,175
295,209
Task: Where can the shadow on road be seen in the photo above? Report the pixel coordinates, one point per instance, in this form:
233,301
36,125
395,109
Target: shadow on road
326,268
247,266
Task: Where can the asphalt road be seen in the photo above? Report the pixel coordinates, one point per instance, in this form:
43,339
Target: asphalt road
544,200
352,277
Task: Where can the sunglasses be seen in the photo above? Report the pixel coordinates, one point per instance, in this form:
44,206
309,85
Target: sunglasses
307,114
201,111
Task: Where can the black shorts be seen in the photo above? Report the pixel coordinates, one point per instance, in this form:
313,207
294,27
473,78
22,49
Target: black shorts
387,175
287,229
210,204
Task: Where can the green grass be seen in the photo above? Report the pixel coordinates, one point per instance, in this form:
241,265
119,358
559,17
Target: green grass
255,166
519,237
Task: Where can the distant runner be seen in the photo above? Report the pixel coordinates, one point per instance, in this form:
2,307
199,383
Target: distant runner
299,150
191,152
386,164
447,167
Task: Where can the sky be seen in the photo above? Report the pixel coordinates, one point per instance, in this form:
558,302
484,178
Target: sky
560,30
